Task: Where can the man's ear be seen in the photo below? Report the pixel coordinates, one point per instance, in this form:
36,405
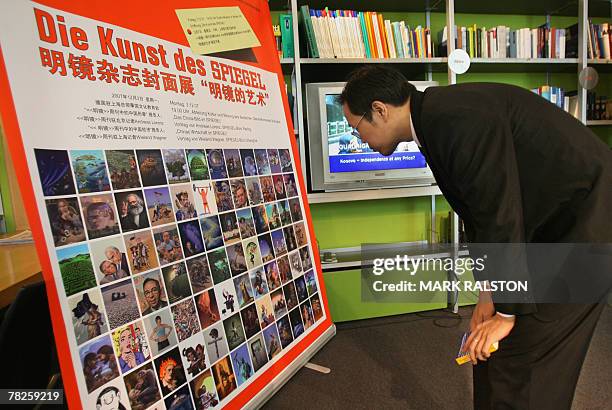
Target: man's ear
381,108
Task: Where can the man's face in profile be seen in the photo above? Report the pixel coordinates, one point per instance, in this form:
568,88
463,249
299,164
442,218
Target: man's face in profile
374,132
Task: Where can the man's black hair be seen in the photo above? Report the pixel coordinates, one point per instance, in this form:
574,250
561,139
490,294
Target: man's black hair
375,83
147,280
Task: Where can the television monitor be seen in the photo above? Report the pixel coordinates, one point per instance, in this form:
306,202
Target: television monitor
340,161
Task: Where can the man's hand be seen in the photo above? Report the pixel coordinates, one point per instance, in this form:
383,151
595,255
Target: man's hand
486,333
484,310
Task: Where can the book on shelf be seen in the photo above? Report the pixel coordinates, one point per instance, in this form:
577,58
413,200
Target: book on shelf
599,41
286,28
571,41
307,29
292,104
283,35
357,34
277,37
568,101
599,108
505,42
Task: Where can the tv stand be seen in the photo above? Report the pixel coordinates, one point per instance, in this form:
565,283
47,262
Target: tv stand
369,194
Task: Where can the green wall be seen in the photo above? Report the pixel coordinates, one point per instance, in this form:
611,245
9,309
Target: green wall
5,195
352,223
344,298
346,303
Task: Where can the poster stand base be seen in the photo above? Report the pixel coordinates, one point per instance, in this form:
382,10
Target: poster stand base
302,360
317,368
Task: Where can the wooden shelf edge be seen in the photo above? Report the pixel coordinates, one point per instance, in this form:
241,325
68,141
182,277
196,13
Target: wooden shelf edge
525,60
435,60
599,122
599,61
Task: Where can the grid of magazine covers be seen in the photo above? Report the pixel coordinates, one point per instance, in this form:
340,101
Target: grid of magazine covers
186,270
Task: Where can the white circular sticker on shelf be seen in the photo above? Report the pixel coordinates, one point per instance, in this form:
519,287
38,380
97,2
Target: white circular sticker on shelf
459,61
588,78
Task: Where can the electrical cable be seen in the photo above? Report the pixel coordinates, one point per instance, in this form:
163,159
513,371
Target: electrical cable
455,317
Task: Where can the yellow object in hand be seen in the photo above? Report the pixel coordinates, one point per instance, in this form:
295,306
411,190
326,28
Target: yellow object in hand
464,356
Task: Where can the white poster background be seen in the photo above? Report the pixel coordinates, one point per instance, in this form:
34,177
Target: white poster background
49,106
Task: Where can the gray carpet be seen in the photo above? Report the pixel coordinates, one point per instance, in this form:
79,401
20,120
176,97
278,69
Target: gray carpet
406,362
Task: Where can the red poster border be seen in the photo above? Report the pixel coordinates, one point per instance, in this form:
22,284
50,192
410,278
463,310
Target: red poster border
267,59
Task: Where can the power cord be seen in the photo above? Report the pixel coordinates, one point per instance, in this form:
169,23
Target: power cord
449,315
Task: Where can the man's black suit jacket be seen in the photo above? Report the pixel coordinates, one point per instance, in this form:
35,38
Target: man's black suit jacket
514,166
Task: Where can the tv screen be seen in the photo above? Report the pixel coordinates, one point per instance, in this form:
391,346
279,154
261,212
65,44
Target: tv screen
347,153
340,161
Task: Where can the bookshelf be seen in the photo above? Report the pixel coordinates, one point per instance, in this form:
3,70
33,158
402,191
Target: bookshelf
436,14
407,214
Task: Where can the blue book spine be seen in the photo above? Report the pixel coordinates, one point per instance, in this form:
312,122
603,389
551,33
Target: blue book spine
398,39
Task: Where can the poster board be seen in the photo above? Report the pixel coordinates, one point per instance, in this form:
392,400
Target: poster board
164,193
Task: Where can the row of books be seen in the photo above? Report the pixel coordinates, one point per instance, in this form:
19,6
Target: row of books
599,43
598,107
556,95
356,34
504,42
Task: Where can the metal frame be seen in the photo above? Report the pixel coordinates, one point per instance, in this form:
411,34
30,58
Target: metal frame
283,377
583,13
298,125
